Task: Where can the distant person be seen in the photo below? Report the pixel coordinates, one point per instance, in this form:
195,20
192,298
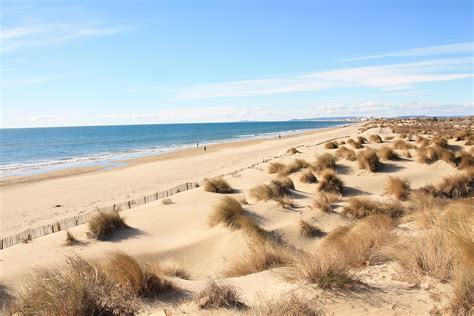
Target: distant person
205,148
197,145
279,136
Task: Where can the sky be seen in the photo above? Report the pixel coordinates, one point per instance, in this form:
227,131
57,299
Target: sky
105,62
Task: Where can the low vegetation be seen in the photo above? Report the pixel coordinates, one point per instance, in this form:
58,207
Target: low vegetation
330,182
166,201
354,143
398,187
346,153
453,187
374,138
217,185
387,153
309,231
308,177
276,167
368,160
293,151
103,224
287,305
331,145
362,207
401,145
217,294
70,239
324,200
261,256
229,212
324,161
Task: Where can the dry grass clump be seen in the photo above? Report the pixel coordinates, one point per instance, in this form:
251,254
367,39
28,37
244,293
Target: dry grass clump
324,269
398,187
105,223
354,143
331,145
262,255
294,166
79,287
308,230
457,186
217,185
324,161
363,207
276,167
405,154
469,141
308,177
362,243
375,138
387,138
361,140
229,212
401,145
167,201
287,305
261,192
293,151
387,153
219,295
141,280
346,153
324,200
465,160
330,182
462,302
70,239
439,141
369,160
461,135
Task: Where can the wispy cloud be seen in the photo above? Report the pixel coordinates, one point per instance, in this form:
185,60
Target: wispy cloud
26,82
458,48
387,77
52,33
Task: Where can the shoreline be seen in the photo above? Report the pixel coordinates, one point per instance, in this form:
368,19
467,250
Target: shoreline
108,165
39,202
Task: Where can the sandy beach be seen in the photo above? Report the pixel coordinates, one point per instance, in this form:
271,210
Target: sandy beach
177,233
31,201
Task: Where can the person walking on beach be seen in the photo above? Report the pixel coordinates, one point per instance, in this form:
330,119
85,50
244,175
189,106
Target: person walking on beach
197,145
279,136
205,148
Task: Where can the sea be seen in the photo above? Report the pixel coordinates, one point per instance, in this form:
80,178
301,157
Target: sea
27,151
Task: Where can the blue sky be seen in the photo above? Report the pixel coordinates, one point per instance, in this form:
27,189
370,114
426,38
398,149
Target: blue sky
131,62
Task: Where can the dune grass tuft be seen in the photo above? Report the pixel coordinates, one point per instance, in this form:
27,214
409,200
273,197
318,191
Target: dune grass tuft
330,182
78,287
398,187
387,153
276,167
374,138
294,166
346,153
262,255
465,160
369,160
217,185
324,161
401,145
362,207
331,145
287,305
229,212
166,201
139,279
70,239
308,177
293,151
105,223
361,139
354,144
308,230
217,294
324,200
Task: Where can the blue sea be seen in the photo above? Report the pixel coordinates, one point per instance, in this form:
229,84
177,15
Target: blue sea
25,151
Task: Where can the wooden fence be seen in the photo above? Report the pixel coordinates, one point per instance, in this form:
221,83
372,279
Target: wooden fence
66,223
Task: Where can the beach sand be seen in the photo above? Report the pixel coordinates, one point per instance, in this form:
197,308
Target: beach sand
179,233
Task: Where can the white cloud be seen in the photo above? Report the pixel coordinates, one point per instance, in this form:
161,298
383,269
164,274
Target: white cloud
381,77
458,48
51,33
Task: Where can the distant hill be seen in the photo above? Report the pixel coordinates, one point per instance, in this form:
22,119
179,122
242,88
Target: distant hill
334,118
